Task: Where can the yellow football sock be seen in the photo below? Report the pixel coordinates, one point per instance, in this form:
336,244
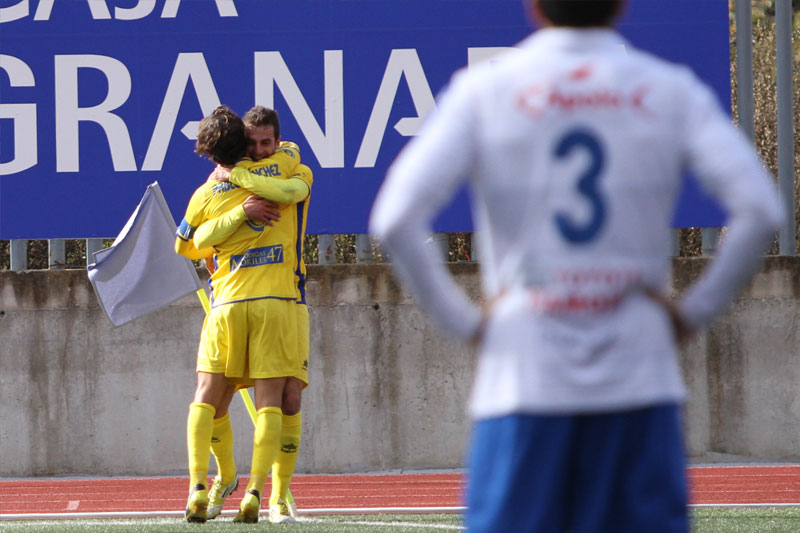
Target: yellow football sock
222,448
285,461
265,446
199,427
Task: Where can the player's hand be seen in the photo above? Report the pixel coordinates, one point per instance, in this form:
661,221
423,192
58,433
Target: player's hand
209,261
683,331
220,173
487,309
258,209
272,212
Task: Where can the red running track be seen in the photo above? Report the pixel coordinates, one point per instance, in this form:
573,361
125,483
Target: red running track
717,485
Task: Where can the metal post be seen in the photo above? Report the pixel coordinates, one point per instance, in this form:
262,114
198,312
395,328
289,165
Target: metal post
783,56
442,242
326,248
744,66
363,248
745,104
675,242
708,241
19,254
56,256
92,246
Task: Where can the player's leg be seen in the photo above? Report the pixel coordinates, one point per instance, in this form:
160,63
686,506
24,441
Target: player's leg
218,347
272,338
286,459
519,470
226,480
199,427
268,397
632,473
280,500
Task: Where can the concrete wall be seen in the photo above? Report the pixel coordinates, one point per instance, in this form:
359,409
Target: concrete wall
78,396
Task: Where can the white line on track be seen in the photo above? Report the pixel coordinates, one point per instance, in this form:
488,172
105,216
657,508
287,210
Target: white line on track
156,514
311,512
384,524
741,505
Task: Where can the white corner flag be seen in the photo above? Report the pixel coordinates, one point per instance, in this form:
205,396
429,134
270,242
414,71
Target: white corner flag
141,273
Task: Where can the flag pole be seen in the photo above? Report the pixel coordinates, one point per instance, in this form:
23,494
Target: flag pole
248,402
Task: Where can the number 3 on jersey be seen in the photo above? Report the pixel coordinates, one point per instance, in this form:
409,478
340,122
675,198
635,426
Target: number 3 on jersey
587,185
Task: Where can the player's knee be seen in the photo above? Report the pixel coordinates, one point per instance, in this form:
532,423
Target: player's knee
291,402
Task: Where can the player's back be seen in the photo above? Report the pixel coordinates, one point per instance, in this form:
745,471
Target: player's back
242,258
583,159
585,145
264,261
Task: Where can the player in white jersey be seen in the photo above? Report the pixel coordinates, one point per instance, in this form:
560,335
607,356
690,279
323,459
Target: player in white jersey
574,146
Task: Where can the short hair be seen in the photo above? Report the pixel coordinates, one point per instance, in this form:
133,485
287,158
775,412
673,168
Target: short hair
263,116
580,13
220,137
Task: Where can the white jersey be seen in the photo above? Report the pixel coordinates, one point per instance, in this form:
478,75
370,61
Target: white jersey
574,147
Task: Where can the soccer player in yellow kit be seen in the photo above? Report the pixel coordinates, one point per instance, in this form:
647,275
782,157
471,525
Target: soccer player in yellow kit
262,129
293,221
263,134
250,331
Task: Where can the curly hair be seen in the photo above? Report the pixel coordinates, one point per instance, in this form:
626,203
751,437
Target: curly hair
263,116
220,137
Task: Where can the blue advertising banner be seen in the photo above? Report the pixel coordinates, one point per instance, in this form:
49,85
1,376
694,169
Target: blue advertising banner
100,98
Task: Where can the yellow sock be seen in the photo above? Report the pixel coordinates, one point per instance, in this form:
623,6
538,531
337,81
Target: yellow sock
222,448
199,426
265,446
283,467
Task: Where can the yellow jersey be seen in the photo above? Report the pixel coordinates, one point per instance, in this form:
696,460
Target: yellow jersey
254,261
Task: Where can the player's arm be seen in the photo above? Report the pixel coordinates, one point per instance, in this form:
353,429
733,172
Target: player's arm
419,184
278,189
287,154
268,177
215,231
199,242
283,191
280,164
728,167
184,236
302,172
187,249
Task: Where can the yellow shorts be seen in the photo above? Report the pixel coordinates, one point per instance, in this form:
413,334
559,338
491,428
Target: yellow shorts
249,340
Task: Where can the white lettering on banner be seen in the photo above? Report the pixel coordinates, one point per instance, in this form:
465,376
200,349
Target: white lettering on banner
326,140
139,11
404,62
189,66
69,115
271,70
43,10
20,10
226,8
99,10
23,115
480,54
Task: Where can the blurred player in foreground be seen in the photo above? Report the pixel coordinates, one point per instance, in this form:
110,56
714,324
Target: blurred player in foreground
574,147
250,334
